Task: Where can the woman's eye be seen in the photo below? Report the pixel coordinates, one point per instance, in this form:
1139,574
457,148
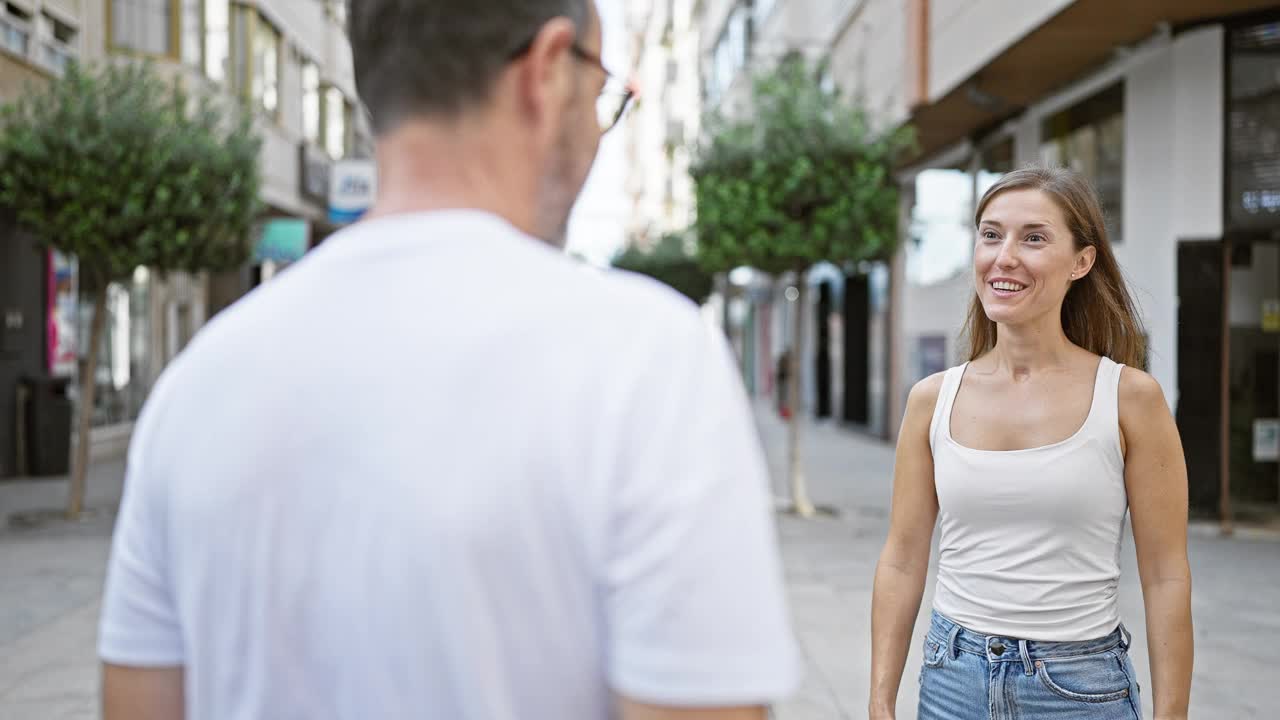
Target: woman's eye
1035,238
990,235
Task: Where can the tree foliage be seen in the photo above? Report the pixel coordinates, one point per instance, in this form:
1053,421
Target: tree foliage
122,168
796,177
669,262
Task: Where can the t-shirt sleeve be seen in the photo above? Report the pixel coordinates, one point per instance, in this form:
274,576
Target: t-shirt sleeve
139,625
695,599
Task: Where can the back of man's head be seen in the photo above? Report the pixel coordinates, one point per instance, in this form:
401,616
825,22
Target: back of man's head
438,58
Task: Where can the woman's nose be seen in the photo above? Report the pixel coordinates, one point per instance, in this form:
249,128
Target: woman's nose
1008,256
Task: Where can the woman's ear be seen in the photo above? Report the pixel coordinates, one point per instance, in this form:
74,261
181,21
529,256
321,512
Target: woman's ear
1084,262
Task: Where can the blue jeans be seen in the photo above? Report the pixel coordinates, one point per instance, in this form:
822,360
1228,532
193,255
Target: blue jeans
970,676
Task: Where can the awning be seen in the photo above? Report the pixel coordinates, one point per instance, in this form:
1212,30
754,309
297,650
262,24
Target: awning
1080,38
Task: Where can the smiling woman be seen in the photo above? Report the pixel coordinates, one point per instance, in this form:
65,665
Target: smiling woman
1067,229
1030,458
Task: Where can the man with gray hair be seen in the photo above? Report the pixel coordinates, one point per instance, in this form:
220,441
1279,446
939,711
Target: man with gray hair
438,469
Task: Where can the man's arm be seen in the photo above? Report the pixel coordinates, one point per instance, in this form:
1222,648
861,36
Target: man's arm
130,693
140,637
692,581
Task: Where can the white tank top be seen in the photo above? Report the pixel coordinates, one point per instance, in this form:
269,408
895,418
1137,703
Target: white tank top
1030,539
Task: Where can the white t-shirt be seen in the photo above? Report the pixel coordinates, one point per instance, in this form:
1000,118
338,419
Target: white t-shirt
439,470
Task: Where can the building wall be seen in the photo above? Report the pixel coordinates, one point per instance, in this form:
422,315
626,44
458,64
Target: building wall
16,75
800,25
869,59
1148,250
666,121
964,35
1198,117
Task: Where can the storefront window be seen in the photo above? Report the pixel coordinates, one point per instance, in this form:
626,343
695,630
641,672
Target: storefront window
1253,133
1252,216
123,368
61,332
941,232
1089,138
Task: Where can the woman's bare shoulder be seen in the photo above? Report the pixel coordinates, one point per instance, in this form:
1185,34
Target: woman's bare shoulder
924,396
1141,397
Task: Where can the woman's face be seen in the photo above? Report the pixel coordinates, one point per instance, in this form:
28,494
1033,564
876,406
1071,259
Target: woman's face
1025,258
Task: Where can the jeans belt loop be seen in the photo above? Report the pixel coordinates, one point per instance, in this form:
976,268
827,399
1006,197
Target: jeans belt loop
953,649
1126,638
1026,657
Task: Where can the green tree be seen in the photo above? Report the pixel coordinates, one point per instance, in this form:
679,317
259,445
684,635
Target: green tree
122,168
796,176
669,262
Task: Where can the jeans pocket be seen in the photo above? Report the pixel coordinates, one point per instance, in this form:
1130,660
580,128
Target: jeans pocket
1090,679
935,652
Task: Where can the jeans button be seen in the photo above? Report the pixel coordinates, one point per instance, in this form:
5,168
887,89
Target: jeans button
997,649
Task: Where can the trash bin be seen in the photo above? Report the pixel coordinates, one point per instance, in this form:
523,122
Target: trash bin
48,425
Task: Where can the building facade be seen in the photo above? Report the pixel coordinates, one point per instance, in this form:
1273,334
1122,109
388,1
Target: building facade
290,63
665,122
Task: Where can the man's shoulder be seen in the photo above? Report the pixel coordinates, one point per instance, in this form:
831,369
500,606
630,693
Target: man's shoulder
643,295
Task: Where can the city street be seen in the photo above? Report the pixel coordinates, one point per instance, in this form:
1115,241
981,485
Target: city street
52,577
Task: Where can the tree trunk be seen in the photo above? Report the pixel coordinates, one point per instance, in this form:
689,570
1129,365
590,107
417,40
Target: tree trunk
88,388
799,490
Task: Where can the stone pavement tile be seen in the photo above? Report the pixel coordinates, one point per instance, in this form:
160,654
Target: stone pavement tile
49,572
53,672
816,698
51,709
103,486
811,703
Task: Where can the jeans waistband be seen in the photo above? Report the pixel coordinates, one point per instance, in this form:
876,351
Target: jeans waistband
956,639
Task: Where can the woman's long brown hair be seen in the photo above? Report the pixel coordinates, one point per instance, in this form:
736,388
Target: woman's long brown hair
1098,313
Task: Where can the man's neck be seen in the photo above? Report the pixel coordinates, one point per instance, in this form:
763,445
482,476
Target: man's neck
426,166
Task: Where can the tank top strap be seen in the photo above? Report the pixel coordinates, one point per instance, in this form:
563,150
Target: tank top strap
940,426
1104,416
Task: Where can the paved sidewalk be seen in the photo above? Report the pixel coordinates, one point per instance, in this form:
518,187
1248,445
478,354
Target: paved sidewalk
51,578
50,584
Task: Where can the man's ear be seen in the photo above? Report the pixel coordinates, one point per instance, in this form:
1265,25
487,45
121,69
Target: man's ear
544,75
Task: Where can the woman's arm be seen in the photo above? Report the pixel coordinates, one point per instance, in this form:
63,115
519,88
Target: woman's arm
1156,480
904,562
